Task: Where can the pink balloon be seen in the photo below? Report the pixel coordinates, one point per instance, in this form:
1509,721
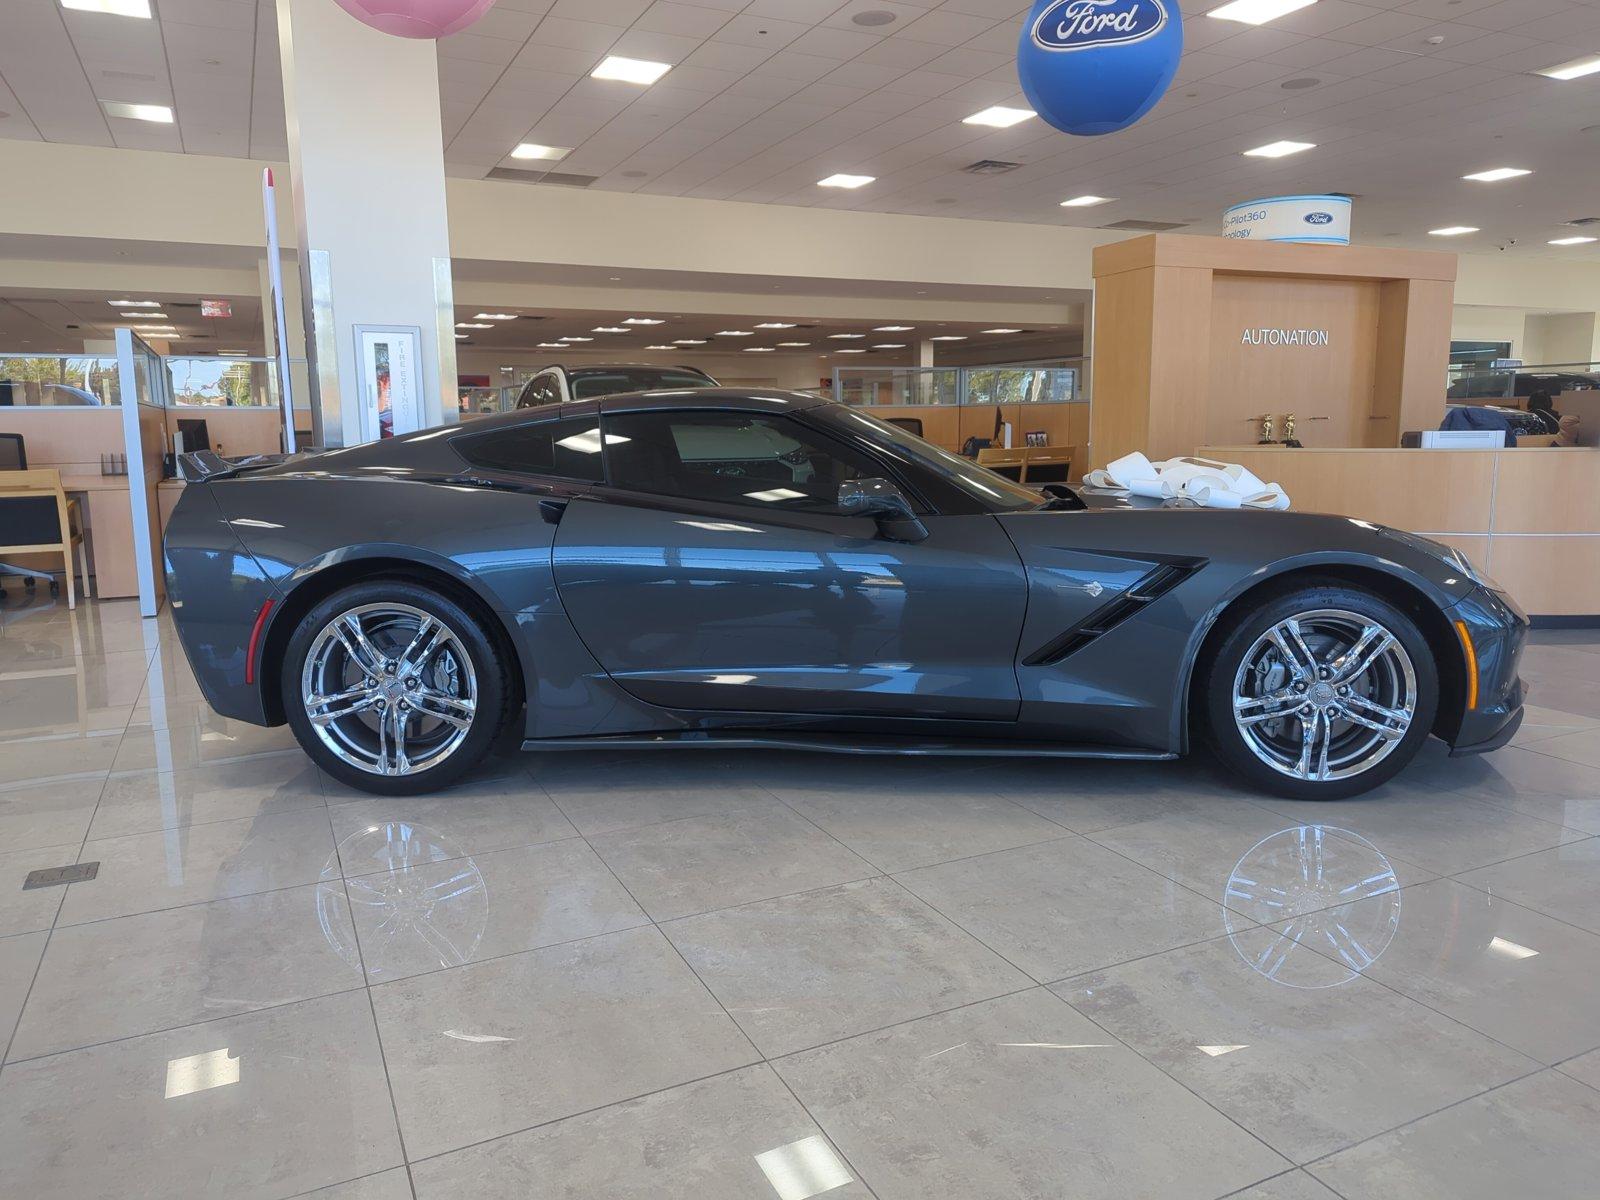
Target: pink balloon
417,18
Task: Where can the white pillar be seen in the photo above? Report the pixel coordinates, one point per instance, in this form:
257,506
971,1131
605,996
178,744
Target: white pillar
366,156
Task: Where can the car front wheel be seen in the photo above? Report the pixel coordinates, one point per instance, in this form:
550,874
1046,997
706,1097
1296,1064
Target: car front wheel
393,688
1321,693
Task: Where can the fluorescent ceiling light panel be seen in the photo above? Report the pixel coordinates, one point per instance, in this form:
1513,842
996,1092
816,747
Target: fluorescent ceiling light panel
1566,241
608,329
155,316
156,328
1453,230
758,349
474,324
159,113
775,325
461,337
536,151
116,8
889,346
134,303
552,346
794,345
1002,331
643,321
893,328
734,333
1258,12
1000,117
846,337
1576,69
494,316
1279,149
576,338
630,70
846,181
949,337
1497,174
689,342
1085,201
660,347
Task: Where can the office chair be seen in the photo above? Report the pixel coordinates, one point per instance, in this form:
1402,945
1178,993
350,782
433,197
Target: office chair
37,518
13,452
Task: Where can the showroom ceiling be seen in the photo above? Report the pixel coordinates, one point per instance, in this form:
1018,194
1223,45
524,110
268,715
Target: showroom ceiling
1400,97
51,320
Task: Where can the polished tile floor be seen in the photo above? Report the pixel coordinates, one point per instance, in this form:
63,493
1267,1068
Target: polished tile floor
745,975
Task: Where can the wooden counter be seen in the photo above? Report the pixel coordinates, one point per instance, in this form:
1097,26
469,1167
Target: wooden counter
1529,516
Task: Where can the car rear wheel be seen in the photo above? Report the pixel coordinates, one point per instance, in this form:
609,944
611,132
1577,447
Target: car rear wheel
1321,693
393,688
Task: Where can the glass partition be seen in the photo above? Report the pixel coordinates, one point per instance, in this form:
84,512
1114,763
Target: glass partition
1010,383
1478,384
84,381
223,382
897,385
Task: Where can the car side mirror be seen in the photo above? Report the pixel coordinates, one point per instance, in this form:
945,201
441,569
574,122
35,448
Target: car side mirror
885,504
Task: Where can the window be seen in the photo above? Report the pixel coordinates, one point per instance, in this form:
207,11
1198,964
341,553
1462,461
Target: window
613,381
566,449
731,458
540,391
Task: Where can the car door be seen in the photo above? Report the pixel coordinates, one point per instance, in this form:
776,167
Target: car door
714,570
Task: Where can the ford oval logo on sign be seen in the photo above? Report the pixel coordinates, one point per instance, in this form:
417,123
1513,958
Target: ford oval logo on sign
1319,218
1284,219
1079,24
1090,67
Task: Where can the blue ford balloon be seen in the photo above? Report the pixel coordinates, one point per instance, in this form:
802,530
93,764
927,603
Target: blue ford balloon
1096,66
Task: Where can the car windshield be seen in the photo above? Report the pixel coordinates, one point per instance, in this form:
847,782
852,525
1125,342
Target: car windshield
609,381
991,490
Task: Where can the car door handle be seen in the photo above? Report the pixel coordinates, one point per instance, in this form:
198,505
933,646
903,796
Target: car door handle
551,511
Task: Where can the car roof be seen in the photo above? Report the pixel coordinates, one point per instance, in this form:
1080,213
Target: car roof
736,399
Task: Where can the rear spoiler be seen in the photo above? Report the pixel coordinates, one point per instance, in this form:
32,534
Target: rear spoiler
202,466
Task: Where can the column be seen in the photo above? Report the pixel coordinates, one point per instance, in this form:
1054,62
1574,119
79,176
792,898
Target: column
366,158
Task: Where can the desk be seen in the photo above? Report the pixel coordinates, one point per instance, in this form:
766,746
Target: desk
1022,458
1528,516
110,531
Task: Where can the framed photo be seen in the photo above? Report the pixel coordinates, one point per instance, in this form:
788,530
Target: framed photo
390,361
1037,437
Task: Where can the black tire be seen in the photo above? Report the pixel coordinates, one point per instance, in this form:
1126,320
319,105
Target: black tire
494,685
1240,633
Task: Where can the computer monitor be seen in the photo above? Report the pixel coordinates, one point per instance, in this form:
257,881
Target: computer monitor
195,434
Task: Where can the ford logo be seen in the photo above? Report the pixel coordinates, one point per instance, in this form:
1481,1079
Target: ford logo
1319,218
1083,24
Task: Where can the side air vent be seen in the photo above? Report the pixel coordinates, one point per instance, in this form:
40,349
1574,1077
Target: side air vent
560,178
990,166
1150,587
1145,226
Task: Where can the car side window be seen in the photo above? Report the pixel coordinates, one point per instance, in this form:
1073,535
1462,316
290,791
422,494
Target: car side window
752,459
565,449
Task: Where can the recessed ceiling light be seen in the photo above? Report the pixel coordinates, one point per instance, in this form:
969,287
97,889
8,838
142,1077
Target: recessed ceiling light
1085,201
758,349
156,328
534,150
794,345
1453,230
889,346
846,337
575,338
1569,241
1497,174
775,325
144,316
630,70
1280,149
660,347
159,113
494,316
1002,331
117,8
1258,12
642,321
552,346
474,324
846,181
608,329
690,342
461,337
893,328
1000,117
949,337
134,303
733,333
849,351
1576,69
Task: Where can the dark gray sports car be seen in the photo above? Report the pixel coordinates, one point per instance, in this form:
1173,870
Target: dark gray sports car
719,567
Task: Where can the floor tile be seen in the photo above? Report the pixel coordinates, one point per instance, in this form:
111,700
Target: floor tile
442,914
1539,723
1537,785
1309,1070
1523,979
1295,1185
895,831
24,912
145,801
702,863
147,871
259,1106
642,789
490,814
36,761
1065,907
734,1137
1563,883
1441,834
19,956
1201,847
221,739
1581,747
1018,1097
811,968
385,1185
1533,1139
134,975
52,814
1585,1068
1087,795
494,1047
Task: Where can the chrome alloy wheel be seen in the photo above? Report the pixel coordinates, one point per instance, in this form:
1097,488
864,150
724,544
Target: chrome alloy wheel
1325,694
389,689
